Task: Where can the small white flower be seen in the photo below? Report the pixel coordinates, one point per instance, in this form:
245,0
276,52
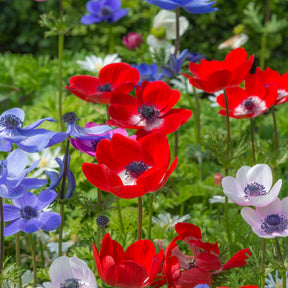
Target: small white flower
182,83
47,161
218,199
165,220
277,283
235,41
95,64
67,272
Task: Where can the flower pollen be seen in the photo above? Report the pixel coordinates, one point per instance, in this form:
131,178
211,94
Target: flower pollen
70,283
70,117
254,189
136,168
104,88
28,212
10,121
149,112
274,223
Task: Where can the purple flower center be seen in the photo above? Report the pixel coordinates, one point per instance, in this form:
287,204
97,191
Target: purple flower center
70,117
70,283
104,88
10,121
105,11
254,189
136,168
149,112
249,105
28,212
274,223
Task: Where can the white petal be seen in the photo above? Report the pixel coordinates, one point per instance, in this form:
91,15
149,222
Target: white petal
273,208
261,174
241,175
60,270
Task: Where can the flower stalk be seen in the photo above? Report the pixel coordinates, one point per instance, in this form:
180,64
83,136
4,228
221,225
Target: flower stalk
150,216
1,234
17,248
120,215
283,271
34,260
140,216
252,141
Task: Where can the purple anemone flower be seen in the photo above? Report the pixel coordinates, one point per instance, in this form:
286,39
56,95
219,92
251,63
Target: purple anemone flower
192,6
148,72
89,146
270,221
27,214
109,10
28,138
252,186
175,63
75,131
13,183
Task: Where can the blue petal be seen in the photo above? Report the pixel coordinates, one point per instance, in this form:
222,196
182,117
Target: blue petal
12,227
19,113
119,14
113,4
54,179
11,212
93,7
49,220
27,199
29,225
33,183
89,19
11,193
34,143
44,199
71,184
16,163
165,4
5,145
38,122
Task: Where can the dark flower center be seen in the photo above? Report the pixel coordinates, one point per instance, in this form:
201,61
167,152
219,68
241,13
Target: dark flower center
274,223
70,117
102,220
70,283
10,121
254,189
28,212
106,11
136,168
149,112
192,263
249,105
104,88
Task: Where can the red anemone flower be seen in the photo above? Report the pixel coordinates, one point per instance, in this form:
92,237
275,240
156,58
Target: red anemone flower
272,77
120,78
150,111
187,271
250,102
212,76
129,168
137,267
245,286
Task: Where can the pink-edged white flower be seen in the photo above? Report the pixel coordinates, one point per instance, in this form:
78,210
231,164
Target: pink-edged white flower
252,186
270,221
68,272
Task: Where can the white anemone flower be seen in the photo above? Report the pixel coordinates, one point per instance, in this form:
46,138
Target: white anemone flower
165,220
68,272
47,161
182,83
252,186
95,64
274,282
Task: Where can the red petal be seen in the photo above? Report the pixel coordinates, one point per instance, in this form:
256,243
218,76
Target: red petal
238,259
207,247
188,229
207,262
193,277
111,72
110,273
110,247
254,86
131,275
171,269
97,261
168,173
129,191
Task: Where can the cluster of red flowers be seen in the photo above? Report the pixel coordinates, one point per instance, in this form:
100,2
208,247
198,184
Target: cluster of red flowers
262,89
140,266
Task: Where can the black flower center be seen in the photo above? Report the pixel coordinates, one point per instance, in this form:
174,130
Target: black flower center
102,220
136,168
249,105
10,121
254,189
192,263
28,212
104,88
70,117
70,283
106,11
149,112
274,223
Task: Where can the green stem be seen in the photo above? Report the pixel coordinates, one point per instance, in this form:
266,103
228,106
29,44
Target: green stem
198,120
228,127
175,143
99,197
42,254
140,215
275,130
177,41
120,215
18,257
98,238
60,59
227,221
252,141
60,237
263,263
283,271
151,196
111,39
34,260
1,234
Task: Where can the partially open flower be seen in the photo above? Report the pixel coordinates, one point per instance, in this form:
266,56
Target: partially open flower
132,41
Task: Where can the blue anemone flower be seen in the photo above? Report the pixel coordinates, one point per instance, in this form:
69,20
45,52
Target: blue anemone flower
148,72
109,10
28,138
192,6
173,68
13,181
27,214
194,57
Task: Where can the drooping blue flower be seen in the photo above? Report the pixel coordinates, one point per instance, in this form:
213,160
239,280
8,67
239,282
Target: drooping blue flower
148,72
173,68
109,10
13,181
28,216
28,138
192,6
194,57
